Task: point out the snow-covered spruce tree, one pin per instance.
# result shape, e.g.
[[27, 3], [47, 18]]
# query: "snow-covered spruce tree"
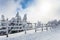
[[25, 22], [54, 23], [25, 18], [3, 18], [38, 24], [59, 22]]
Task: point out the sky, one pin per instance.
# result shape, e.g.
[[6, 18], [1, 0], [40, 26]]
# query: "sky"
[[36, 10]]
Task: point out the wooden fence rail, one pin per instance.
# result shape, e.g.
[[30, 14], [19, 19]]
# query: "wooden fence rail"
[[11, 28]]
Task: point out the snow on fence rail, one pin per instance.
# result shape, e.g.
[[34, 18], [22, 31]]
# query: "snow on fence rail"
[[11, 28]]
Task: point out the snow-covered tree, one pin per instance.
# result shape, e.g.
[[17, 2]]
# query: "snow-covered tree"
[[17, 15], [3, 21], [59, 22], [52, 24], [38, 24], [3, 18], [18, 18], [25, 18]]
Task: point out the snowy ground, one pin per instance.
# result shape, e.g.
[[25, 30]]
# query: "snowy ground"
[[32, 35]]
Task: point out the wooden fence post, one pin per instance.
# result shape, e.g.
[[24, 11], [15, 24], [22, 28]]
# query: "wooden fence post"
[[25, 28], [35, 27], [42, 27], [7, 27], [46, 27]]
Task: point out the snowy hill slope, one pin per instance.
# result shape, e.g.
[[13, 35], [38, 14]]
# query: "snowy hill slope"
[[45, 35]]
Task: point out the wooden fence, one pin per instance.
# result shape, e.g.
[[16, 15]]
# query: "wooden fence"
[[11, 28]]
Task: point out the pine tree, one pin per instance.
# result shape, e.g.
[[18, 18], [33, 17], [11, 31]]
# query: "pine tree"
[[25, 18]]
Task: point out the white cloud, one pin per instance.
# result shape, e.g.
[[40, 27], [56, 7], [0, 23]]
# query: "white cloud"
[[9, 10], [41, 10]]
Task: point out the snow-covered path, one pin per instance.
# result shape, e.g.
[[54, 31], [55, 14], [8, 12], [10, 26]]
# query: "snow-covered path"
[[46, 35], [54, 35]]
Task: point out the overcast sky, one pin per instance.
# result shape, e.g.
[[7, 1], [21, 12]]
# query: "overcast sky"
[[36, 10]]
